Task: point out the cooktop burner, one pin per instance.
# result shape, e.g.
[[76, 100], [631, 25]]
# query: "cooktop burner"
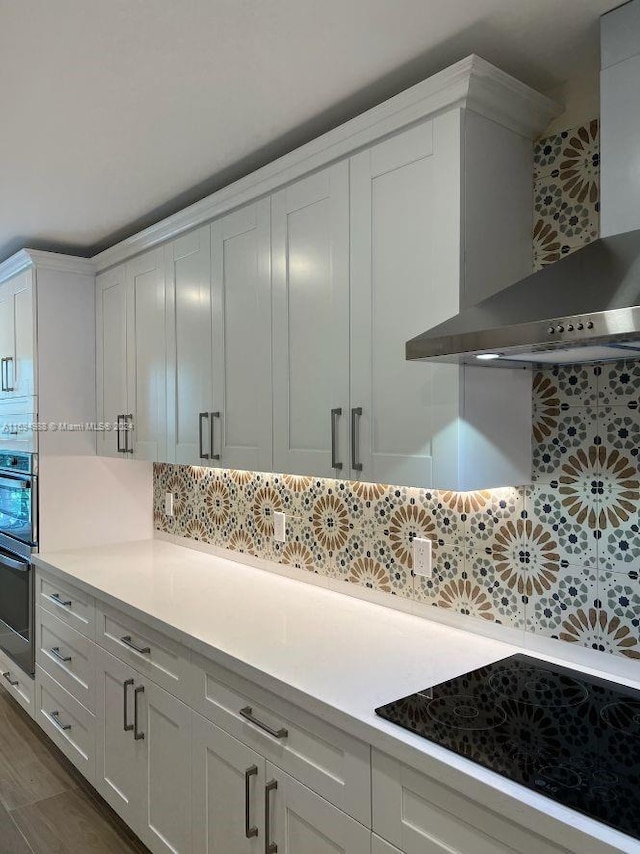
[[572, 737]]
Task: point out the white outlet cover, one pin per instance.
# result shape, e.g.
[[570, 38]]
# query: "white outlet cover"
[[168, 503], [279, 526], [422, 557]]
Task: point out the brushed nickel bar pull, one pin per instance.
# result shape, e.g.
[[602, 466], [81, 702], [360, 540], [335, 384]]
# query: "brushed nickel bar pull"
[[247, 713], [55, 652], [335, 414], [12, 682], [55, 718], [127, 727], [2, 361], [143, 650], [6, 362], [249, 830], [119, 421], [136, 732], [356, 414], [214, 415], [269, 847], [201, 417], [128, 420], [57, 598]]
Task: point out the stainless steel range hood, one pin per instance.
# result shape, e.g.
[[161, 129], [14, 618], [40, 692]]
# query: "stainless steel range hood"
[[583, 308]]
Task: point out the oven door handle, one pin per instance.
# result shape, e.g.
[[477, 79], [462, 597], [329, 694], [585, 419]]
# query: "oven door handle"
[[20, 565], [17, 483]]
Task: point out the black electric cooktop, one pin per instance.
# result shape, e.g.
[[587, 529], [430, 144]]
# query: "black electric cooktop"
[[572, 737]]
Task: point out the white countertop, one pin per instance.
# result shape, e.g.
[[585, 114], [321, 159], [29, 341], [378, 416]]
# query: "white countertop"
[[333, 655]]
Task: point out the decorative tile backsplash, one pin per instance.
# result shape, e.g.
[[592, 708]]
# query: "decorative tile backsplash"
[[559, 557]]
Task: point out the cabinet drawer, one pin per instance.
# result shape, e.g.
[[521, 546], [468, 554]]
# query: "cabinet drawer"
[[327, 760], [16, 430], [67, 723], [70, 604], [422, 816], [67, 656], [162, 659], [18, 684]]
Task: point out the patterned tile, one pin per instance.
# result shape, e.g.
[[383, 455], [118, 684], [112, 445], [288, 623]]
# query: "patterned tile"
[[507, 603], [619, 615], [556, 608], [547, 153], [620, 384], [573, 543], [448, 566], [571, 431], [493, 509]]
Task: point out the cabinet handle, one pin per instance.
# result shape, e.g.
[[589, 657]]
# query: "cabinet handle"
[[249, 830], [201, 417], [2, 361], [6, 364], [214, 415], [57, 598], [136, 732], [269, 847], [356, 414], [119, 420], [128, 428], [55, 718], [11, 681], [335, 414], [55, 652], [143, 650], [247, 713], [127, 727]]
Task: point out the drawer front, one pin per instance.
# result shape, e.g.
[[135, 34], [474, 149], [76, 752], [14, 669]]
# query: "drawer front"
[[327, 760], [162, 659], [419, 815], [70, 604], [16, 429], [67, 723], [20, 686], [67, 656]]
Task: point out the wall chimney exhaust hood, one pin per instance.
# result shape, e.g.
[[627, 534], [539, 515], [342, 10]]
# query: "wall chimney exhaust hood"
[[583, 308]]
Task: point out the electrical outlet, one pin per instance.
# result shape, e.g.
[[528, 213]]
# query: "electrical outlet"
[[279, 526], [422, 563], [168, 503]]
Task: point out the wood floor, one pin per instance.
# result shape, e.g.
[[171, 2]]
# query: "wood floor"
[[46, 806]]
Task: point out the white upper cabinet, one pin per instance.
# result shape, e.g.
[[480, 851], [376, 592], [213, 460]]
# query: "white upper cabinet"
[[131, 358], [219, 342], [240, 422], [17, 339], [310, 225], [189, 387]]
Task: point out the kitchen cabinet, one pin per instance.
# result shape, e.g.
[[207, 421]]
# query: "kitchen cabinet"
[[243, 803], [379, 846], [143, 769], [131, 358], [17, 338], [228, 792], [219, 339], [310, 246]]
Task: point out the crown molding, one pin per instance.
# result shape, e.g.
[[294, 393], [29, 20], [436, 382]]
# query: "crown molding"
[[26, 258], [473, 83]]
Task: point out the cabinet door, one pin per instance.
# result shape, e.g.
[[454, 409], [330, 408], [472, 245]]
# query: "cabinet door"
[[228, 793], [310, 228], [120, 759], [301, 822], [147, 356], [379, 846], [241, 253], [166, 725], [188, 271], [111, 357], [17, 337], [405, 275]]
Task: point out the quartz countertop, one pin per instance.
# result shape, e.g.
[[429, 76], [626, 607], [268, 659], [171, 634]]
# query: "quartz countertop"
[[336, 656]]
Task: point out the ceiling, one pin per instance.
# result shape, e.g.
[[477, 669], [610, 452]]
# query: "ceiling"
[[117, 113]]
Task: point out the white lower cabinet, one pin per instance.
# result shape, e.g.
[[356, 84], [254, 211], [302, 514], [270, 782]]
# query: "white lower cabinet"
[[17, 683], [143, 768], [379, 846], [297, 821]]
